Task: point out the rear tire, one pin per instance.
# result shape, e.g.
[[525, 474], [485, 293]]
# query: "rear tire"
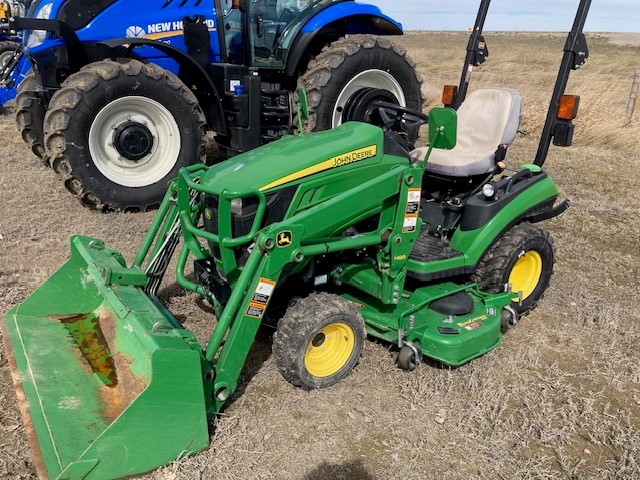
[[30, 112], [348, 65], [118, 132], [524, 257], [318, 341], [7, 49]]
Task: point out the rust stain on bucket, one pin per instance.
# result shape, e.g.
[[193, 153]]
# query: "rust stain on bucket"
[[95, 335], [129, 386], [86, 332]]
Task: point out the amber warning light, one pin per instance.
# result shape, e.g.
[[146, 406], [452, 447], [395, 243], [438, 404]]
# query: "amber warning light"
[[568, 107], [448, 94]]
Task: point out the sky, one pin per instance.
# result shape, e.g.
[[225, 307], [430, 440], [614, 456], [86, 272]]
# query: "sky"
[[544, 15]]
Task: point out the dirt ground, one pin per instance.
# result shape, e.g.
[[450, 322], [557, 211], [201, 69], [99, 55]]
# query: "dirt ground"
[[559, 399]]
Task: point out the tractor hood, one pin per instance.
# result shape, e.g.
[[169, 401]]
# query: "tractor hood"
[[293, 158]]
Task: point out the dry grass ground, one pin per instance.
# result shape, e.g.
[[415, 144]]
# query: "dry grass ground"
[[559, 399]]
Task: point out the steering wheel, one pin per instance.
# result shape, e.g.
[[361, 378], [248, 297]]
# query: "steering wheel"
[[401, 119]]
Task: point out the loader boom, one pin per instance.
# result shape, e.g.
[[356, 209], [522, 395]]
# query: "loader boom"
[[242, 315]]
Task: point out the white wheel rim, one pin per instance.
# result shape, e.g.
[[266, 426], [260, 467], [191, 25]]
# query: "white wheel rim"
[[5, 57], [368, 78], [157, 163]]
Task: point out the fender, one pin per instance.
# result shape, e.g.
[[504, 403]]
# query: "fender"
[[206, 92], [346, 18], [475, 235], [531, 199], [350, 10]]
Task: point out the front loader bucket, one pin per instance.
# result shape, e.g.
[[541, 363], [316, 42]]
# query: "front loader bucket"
[[106, 385]]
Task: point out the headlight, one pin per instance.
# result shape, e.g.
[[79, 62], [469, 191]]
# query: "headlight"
[[236, 206], [37, 37], [488, 190]]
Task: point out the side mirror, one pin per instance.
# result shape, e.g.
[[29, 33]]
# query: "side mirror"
[[303, 109], [443, 128]]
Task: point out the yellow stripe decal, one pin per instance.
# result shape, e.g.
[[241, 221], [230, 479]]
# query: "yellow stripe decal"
[[173, 33], [333, 162]]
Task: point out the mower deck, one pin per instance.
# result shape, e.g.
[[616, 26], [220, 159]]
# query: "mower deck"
[[451, 338]]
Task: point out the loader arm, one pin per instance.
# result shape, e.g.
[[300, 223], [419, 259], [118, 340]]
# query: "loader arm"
[[241, 317]]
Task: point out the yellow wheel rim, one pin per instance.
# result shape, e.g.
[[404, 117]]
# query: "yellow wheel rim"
[[526, 274], [329, 350]]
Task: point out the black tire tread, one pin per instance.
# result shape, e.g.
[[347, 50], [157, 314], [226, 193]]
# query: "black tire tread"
[[320, 68], [69, 98], [298, 319], [28, 120], [8, 45], [489, 271]]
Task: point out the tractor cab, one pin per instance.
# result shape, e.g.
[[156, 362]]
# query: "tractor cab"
[[271, 26], [487, 123], [462, 187], [261, 33]]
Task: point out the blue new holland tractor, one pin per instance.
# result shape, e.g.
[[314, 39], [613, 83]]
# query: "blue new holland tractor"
[[12, 69], [124, 92]]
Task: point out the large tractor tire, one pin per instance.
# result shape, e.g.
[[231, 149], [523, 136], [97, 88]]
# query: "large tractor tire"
[[351, 73], [523, 257], [7, 50], [30, 111], [118, 132], [318, 341]]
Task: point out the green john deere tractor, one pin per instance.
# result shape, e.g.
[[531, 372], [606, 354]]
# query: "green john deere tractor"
[[358, 236]]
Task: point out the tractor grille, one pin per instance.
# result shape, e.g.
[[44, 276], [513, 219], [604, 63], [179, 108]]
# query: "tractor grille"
[[277, 205]]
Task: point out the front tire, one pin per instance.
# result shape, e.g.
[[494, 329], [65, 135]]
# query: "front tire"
[[118, 132], [345, 68], [30, 112], [319, 341], [523, 257]]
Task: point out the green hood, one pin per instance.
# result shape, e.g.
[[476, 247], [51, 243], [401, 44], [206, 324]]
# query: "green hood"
[[296, 157]]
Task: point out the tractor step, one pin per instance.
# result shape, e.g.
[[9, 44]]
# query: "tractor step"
[[430, 249], [276, 113]]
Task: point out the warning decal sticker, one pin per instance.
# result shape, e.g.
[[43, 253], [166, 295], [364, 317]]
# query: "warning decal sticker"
[[261, 298], [411, 211], [473, 326]]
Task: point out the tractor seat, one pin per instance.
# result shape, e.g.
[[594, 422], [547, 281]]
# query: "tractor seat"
[[487, 119]]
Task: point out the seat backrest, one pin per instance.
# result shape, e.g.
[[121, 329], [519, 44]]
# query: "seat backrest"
[[487, 118]]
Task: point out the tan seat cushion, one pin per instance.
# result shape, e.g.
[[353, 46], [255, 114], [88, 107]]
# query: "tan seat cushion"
[[486, 119]]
